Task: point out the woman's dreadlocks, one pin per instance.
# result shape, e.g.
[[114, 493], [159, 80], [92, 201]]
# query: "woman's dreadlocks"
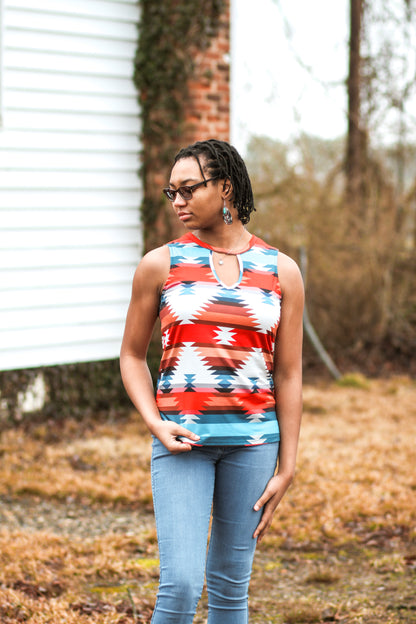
[[221, 160]]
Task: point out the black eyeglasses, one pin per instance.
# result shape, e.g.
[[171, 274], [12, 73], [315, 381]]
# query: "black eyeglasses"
[[184, 191]]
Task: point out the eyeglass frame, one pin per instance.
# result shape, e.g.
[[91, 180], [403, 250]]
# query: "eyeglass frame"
[[190, 189]]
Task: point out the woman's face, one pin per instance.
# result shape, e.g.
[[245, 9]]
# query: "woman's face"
[[204, 209]]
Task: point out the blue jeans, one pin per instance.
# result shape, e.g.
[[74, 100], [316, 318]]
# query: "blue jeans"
[[228, 479]]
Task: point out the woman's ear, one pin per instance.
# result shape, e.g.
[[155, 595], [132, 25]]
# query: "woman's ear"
[[227, 189]]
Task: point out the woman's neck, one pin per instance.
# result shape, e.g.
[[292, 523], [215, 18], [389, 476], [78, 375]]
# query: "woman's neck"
[[231, 238]]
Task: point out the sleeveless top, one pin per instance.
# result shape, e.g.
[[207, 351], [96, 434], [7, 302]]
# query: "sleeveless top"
[[216, 371]]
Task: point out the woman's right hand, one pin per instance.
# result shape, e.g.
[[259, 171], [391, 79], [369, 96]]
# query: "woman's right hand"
[[168, 433]]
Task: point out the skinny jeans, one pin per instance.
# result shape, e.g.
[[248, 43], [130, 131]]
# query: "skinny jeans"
[[226, 480]]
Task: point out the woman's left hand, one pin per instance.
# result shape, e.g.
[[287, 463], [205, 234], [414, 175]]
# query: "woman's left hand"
[[269, 500]]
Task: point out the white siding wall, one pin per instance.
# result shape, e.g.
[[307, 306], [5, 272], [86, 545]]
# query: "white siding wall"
[[69, 190]]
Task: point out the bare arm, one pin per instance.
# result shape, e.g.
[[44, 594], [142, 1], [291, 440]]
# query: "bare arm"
[[148, 281], [288, 384]]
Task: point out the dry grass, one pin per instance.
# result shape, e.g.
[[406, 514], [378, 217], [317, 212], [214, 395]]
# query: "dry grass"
[[107, 464], [356, 469], [58, 579], [342, 548]]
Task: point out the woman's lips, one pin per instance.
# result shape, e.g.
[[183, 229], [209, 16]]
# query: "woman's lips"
[[184, 216]]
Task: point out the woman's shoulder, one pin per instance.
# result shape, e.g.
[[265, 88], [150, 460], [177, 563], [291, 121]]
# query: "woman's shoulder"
[[287, 263], [155, 258], [153, 267], [290, 276]]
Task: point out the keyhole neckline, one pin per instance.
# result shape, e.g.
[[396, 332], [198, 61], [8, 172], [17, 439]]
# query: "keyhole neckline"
[[221, 282]]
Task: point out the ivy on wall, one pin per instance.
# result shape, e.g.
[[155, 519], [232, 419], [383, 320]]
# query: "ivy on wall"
[[171, 32]]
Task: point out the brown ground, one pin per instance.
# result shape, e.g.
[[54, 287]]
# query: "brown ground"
[[77, 538]]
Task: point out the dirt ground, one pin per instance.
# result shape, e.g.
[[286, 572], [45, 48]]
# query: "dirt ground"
[[77, 536]]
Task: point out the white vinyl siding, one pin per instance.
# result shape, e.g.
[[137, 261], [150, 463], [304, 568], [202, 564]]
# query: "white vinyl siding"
[[70, 235]]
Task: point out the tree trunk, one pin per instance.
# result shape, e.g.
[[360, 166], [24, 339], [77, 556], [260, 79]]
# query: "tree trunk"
[[355, 143]]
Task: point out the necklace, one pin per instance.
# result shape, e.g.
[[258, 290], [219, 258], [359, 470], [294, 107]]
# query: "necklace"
[[228, 252]]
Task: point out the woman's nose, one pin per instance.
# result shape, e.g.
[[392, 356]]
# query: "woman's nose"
[[179, 200]]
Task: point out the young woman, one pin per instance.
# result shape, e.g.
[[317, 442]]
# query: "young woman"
[[225, 420]]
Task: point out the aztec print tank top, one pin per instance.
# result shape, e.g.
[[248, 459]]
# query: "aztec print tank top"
[[215, 375]]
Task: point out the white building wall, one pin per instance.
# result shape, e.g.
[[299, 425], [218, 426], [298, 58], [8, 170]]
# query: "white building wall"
[[69, 190]]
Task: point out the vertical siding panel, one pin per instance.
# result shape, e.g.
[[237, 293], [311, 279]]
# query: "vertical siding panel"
[[1, 60], [70, 235]]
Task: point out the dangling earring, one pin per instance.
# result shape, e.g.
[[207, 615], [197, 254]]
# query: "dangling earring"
[[227, 216]]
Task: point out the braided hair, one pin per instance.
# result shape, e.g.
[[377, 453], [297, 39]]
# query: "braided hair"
[[221, 160]]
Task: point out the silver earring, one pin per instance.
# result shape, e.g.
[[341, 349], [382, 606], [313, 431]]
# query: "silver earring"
[[227, 216]]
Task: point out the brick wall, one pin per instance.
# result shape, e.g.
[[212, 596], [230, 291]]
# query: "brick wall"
[[208, 112]]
